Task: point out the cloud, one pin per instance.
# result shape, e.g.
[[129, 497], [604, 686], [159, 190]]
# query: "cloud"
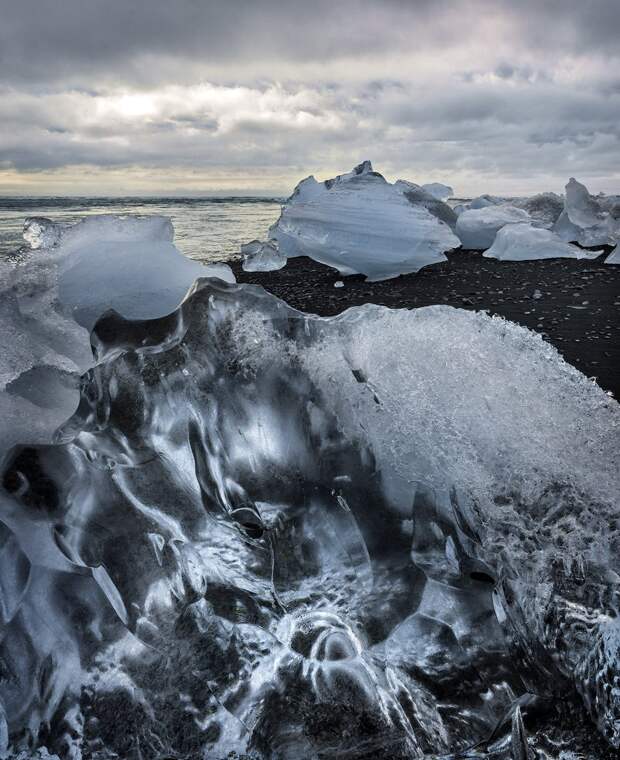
[[488, 95]]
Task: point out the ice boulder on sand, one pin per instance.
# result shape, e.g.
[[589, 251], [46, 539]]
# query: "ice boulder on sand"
[[584, 220], [360, 223], [523, 242], [261, 256], [52, 293], [477, 227]]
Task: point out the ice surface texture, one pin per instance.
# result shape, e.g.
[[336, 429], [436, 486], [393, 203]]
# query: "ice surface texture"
[[262, 256], [523, 242], [368, 536], [51, 295], [360, 223], [587, 220], [477, 227]]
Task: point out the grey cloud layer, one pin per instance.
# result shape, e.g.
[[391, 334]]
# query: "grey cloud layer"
[[511, 89]]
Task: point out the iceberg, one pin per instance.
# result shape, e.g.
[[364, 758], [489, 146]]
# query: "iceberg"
[[262, 256], [524, 242], [56, 288], [583, 219], [439, 191], [267, 532], [359, 223], [477, 227]]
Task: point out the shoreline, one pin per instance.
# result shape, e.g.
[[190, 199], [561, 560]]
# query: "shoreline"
[[573, 303]]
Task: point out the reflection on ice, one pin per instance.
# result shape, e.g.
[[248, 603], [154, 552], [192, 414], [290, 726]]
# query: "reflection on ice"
[[267, 532]]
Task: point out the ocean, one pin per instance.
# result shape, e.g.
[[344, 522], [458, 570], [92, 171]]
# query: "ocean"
[[206, 229]]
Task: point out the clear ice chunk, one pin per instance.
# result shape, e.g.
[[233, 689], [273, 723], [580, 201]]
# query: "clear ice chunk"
[[271, 533], [262, 256]]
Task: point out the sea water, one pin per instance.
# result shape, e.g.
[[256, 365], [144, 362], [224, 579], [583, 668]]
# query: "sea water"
[[206, 229]]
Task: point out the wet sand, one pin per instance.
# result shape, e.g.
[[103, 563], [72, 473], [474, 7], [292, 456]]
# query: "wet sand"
[[574, 304]]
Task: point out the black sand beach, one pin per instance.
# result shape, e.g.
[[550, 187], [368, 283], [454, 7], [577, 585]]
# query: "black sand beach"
[[574, 304]]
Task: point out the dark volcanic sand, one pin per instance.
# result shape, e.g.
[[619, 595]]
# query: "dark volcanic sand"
[[577, 311]]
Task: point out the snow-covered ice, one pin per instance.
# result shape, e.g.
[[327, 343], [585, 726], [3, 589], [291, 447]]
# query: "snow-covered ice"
[[360, 223], [524, 242], [261, 256], [477, 227]]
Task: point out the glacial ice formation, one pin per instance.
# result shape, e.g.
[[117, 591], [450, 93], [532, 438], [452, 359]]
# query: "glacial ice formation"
[[477, 227], [261, 256], [268, 532], [584, 220], [544, 208], [524, 242], [52, 294], [360, 223], [439, 191]]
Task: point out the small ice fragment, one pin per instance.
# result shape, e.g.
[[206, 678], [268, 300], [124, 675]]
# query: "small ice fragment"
[[262, 256], [339, 284]]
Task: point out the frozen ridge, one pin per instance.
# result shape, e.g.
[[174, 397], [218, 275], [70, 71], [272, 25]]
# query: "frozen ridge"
[[360, 223], [267, 532]]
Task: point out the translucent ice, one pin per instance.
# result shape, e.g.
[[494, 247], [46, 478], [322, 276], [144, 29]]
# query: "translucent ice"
[[614, 256], [523, 242], [584, 220], [439, 191], [477, 227], [262, 256], [267, 532], [360, 223], [52, 293]]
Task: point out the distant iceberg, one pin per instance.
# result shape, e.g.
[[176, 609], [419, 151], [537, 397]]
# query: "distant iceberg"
[[359, 223]]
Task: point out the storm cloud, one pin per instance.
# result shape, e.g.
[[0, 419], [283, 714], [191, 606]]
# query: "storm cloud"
[[149, 95]]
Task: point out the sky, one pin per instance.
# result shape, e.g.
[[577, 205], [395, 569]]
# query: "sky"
[[202, 97]]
